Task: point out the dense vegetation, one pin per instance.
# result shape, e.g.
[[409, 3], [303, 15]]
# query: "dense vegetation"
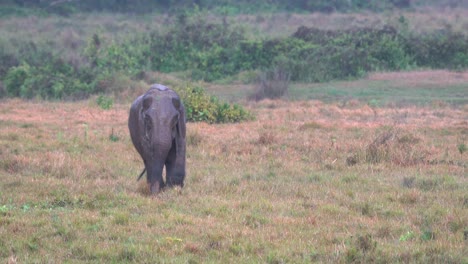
[[75, 66], [67, 7], [211, 51], [221, 6]]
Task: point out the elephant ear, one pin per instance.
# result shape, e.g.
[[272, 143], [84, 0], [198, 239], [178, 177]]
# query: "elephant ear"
[[147, 102]]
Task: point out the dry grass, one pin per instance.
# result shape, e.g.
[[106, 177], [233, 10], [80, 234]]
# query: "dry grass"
[[277, 189]]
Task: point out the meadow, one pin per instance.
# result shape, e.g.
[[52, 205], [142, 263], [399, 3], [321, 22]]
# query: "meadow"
[[366, 166], [342, 181]]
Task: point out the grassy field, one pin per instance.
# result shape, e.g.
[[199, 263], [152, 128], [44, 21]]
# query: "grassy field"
[[422, 88], [307, 181]]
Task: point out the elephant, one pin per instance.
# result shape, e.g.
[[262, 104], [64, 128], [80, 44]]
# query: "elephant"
[[157, 128]]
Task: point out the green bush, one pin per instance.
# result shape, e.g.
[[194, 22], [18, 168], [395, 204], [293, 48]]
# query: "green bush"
[[195, 44], [54, 80], [227, 113], [104, 102], [15, 79], [322, 55], [442, 49], [44, 72], [200, 107]]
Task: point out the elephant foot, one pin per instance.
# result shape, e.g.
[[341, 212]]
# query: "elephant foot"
[[155, 188]]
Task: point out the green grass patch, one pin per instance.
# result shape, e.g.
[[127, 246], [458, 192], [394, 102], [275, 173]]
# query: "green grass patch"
[[382, 93]]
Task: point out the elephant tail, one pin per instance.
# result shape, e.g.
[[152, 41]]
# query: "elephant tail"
[[143, 172]]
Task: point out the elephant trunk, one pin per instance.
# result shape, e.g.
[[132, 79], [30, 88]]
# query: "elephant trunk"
[[155, 165]]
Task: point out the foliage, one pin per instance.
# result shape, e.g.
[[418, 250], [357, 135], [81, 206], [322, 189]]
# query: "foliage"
[[220, 6], [234, 113], [332, 55], [201, 107], [15, 78], [195, 44], [226, 7], [104, 102], [46, 75], [210, 51], [441, 49], [198, 105]]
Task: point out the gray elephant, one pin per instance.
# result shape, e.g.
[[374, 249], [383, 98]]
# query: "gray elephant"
[[157, 129]]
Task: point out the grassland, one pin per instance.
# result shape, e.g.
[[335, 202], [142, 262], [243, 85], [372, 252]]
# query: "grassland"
[[363, 171], [307, 181], [422, 88]]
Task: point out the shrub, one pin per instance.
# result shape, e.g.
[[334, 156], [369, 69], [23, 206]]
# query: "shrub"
[[201, 107], [15, 78], [198, 105], [7, 57], [231, 113], [441, 49], [104, 102], [328, 55], [54, 79]]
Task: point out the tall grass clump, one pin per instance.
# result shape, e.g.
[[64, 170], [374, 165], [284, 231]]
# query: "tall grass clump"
[[398, 147], [272, 84], [394, 146]]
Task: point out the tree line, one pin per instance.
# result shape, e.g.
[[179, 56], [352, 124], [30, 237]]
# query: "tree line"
[[66, 7]]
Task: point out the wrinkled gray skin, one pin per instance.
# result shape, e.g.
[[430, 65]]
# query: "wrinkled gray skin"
[[157, 129]]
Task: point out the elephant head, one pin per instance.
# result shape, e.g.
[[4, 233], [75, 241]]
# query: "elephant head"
[[157, 129]]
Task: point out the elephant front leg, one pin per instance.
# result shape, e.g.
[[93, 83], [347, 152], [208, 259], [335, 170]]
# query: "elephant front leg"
[[155, 180], [175, 172], [155, 187]]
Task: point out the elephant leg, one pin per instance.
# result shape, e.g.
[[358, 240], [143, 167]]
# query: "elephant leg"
[[155, 188], [169, 171], [175, 172], [155, 180]]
